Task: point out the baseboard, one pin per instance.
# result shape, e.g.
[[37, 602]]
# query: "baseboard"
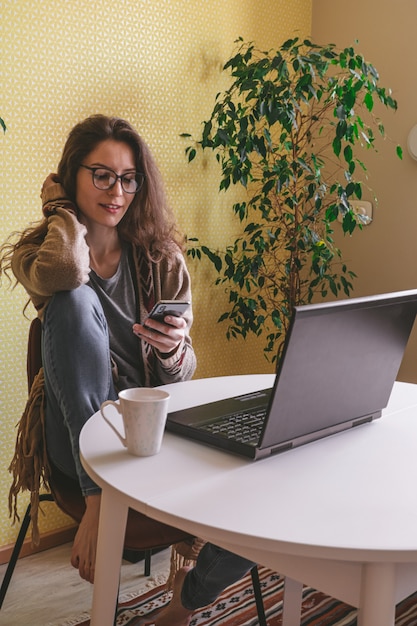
[[50, 539]]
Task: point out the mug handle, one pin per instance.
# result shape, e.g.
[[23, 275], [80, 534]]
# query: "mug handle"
[[106, 419]]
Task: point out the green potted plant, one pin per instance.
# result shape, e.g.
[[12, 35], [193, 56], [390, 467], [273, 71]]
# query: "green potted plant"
[[289, 131]]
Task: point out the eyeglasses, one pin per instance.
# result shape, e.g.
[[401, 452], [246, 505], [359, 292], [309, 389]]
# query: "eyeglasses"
[[105, 178]]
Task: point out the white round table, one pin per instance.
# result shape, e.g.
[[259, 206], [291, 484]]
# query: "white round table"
[[339, 514]]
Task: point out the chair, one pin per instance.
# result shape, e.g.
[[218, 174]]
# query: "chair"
[[143, 534]]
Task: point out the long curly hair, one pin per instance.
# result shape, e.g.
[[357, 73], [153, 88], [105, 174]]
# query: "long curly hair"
[[148, 223]]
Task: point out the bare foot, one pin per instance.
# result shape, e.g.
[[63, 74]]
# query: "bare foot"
[[175, 614], [83, 554]]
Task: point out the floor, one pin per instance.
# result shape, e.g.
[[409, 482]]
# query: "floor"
[[46, 591]]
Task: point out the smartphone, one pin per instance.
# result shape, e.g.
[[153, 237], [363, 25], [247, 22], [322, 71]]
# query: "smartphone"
[[168, 307]]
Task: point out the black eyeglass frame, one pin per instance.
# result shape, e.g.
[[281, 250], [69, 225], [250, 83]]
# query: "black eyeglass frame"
[[139, 178]]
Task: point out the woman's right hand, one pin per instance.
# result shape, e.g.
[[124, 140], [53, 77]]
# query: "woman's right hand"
[[52, 179], [56, 198]]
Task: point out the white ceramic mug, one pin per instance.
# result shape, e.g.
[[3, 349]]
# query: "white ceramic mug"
[[144, 412]]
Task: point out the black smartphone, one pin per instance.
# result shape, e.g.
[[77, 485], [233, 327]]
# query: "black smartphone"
[[168, 307]]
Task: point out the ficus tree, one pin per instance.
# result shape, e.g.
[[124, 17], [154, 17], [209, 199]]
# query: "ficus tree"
[[290, 131]]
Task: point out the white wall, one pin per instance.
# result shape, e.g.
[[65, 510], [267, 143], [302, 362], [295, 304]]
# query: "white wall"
[[384, 254]]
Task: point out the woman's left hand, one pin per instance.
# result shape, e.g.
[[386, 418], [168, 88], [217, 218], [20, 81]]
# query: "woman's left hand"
[[164, 336]]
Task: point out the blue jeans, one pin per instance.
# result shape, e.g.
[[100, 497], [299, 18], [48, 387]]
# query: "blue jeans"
[[215, 570], [78, 377]]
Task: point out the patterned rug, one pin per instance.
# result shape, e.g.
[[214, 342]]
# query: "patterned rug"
[[236, 607]]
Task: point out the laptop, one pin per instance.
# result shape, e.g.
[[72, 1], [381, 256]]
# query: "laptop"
[[337, 371]]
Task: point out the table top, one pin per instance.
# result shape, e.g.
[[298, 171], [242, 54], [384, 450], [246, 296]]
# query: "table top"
[[351, 496]]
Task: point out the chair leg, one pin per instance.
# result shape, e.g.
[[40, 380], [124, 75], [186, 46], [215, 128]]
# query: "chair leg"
[[147, 572], [117, 606], [147, 567], [18, 546], [258, 596]]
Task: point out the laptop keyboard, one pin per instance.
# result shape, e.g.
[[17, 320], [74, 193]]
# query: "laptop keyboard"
[[244, 426]]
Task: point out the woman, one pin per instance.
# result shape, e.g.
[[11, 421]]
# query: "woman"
[[103, 255], [198, 586]]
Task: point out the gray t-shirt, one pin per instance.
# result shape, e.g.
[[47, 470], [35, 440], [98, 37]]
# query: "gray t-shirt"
[[118, 299]]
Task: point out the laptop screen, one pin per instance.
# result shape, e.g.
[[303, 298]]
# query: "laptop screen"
[[339, 363]]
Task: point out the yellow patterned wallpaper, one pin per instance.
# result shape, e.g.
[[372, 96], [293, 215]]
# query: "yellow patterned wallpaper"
[[157, 63]]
